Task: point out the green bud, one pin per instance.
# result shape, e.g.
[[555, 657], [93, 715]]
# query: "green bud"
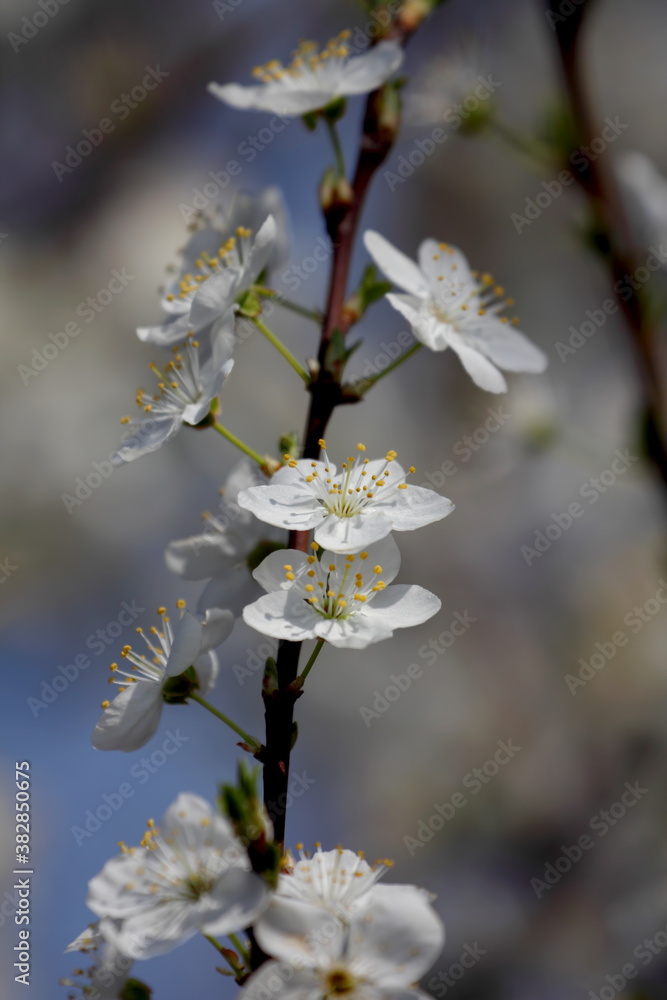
[[177, 690]]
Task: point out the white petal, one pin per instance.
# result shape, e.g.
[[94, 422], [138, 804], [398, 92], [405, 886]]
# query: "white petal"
[[202, 556], [398, 268], [156, 930], [303, 934], [303, 467], [150, 435], [352, 534], [131, 718], [217, 626], [282, 981], [186, 646], [451, 264], [396, 937], [208, 668], [371, 69], [211, 384], [282, 615], [236, 900], [270, 573], [260, 253], [275, 99], [506, 346], [401, 606], [481, 371], [190, 823], [353, 633], [215, 296], [384, 553], [293, 507], [415, 507], [166, 334]]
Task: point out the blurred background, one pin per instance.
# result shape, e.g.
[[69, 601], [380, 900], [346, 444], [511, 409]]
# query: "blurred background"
[[376, 778]]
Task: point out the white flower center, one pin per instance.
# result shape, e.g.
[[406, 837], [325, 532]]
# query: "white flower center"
[[179, 386], [351, 490], [308, 65], [231, 254], [145, 669], [333, 589]]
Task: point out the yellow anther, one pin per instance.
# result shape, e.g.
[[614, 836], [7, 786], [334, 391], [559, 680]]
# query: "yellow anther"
[[361, 447], [341, 602], [412, 468], [124, 420], [289, 576], [105, 704], [162, 611], [499, 290], [350, 558], [514, 320], [180, 604], [114, 666], [287, 566], [390, 456], [402, 486], [322, 443], [314, 546], [310, 588], [311, 560], [332, 567], [377, 569], [363, 555], [481, 312], [360, 597]]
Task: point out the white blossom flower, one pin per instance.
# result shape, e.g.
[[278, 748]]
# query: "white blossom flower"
[[313, 79], [340, 881], [230, 548], [344, 599], [132, 718], [644, 194], [378, 955], [448, 305], [212, 275], [189, 874], [105, 978], [349, 509], [185, 392]]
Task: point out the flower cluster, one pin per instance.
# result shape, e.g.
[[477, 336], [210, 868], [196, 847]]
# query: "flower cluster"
[[303, 550]]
